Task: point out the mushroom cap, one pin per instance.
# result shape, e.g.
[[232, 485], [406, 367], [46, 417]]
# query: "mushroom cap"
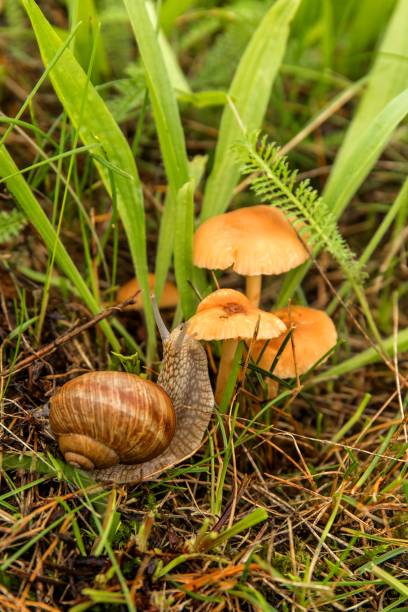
[[253, 240], [227, 314], [169, 297], [313, 336]]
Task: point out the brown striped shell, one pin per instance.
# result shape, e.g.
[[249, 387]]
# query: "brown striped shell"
[[102, 419], [184, 376]]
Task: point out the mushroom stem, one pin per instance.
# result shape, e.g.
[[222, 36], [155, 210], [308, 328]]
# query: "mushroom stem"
[[253, 289], [227, 358]]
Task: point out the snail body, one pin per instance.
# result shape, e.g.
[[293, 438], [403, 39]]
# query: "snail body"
[[126, 429]]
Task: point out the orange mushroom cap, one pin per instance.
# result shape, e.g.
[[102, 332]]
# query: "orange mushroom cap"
[[313, 336], [227, 314], [254, 240], [169, 297]]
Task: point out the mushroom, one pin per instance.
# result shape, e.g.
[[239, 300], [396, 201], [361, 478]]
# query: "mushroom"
[[228, 315], [255, 240], [169, 297], [313, 336]]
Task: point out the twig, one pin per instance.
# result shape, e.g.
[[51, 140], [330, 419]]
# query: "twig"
[[74, 331]]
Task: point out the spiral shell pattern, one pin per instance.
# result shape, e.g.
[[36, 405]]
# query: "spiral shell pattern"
[[105, 418]]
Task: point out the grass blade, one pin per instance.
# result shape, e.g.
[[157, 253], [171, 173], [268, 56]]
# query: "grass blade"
[[362, 144], [17, 185], [163, 99], [183, 246], [387, 78], [169, 130], [171, 9], [249, 91], [85, 11], [176, 76], [98, 126], [400, 204], [364, 154], [364, 358], [391, 580]]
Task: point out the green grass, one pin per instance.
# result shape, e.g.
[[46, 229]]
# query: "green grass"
[[118, 129]]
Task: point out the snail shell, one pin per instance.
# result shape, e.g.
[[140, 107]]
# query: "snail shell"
[[101, 419]]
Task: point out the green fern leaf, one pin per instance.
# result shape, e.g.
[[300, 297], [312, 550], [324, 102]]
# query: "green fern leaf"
[[274, 181], [11, 224]]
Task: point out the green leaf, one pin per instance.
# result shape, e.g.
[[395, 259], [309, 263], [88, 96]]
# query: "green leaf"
[[171, 9], [183, 246], [391, 580], [176, 75], [250, 91], [387, 78], [98, 126], [168, 126], [32, 209], [364, 152], [250, 520], [84, 11], [162, 96], [362, 31], [390, 554]]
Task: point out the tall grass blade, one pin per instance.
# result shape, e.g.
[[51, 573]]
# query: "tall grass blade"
[[250, 91], [162, 96], [387, 81], [98, 126], [366, 357], [176, 75], [169, 130], [364, 152], [363, 29], [400, 204], [387, 78], [171, 9], [183, 246], [84, 11], [33, 211]]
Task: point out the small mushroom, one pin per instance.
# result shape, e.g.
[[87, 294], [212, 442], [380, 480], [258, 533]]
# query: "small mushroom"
[[255, 240], [229, 316], [313, 336], [169, 297]]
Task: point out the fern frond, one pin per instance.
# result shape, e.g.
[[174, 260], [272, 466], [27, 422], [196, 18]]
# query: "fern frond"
[[11, 224], [275, 182]]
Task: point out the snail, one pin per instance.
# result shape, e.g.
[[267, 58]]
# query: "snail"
[[126, 429]]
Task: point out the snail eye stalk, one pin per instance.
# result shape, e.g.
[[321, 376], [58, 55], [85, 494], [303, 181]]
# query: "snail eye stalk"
[[163, 331]]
